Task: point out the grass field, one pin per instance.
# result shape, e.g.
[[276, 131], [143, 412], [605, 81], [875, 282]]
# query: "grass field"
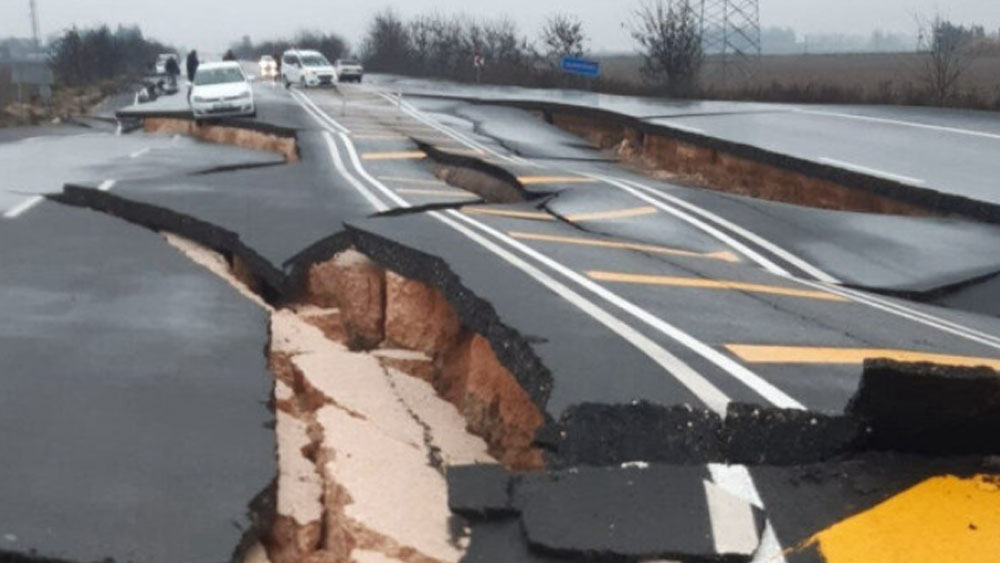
[[833, 78]]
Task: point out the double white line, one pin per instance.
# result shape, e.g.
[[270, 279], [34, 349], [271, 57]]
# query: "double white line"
[[735, 479], [515, 252], [730, 234]]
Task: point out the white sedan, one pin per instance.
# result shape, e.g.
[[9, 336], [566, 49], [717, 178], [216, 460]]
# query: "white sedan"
[[220, 90]]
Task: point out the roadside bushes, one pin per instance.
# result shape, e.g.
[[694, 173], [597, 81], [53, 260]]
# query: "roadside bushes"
[[446, 47]]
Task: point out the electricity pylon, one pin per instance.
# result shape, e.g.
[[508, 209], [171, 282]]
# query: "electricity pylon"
[[730, 30]]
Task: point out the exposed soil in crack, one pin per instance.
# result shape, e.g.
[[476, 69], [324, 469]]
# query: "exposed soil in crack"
[[419, 209], [272, 139], [363, 446], [490, 182], [713, 168]]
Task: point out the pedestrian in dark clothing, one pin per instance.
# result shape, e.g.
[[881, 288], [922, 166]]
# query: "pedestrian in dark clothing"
[[229, 56], [192, 65], [173, 70]]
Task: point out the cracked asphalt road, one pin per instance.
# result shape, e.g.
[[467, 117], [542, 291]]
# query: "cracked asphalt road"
[[620, 288]]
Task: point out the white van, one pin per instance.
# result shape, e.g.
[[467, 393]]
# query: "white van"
[[306, 68]]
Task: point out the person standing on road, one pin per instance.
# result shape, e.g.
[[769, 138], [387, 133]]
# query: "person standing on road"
[[229, 56], [192, 65], [173, 70]]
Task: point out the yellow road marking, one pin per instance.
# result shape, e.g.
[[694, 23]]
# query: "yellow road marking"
[[533, 215], [725, 256], [461, 151], [419, 181], [399, 155], [448, 193], [528, 180], [713, 284], [812, 355], [606, 215], [944, 518]]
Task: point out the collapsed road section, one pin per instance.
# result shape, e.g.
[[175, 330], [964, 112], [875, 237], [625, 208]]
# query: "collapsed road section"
[[442, 391]]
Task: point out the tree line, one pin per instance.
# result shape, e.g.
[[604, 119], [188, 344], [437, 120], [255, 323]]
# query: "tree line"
[[85, 56]]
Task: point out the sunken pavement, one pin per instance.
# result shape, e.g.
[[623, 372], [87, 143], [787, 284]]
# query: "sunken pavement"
[[233, 341]]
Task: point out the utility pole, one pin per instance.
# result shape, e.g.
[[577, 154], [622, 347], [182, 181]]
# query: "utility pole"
[[34, 24], [730, 30]]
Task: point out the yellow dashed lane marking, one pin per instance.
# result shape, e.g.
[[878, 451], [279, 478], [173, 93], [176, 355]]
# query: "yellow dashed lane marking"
[[607, 215], [942, 519], [399, 155], [418, 181], [528, 180], [533, 215], [447, 193], [461, 151], [701, 283], [811, 355], [725, 256]]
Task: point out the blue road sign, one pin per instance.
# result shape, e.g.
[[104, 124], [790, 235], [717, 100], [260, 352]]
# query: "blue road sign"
[[581, 67]]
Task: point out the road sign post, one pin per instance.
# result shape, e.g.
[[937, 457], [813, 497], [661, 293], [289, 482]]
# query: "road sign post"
[[580, 67], [586, 68]]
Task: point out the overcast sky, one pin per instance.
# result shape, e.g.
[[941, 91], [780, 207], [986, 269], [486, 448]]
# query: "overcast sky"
[[212, 24]]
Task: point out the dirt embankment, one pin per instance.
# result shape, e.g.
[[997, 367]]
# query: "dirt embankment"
[[379, 389]]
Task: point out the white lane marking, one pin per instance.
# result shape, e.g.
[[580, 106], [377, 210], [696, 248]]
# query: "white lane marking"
[[339, 165], [908, 313], [749, 235], [770, 550], [318, 111], [140, 152], [736, 245], [939, 128], [736, 480], [686, 128], [872, 171], [420, 116], [106, 185], [828, 282], [734, 528], [762, 387], [17, 210], [699, 386], [769, 546]]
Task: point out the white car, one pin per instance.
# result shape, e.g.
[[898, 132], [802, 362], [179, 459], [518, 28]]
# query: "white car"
[[268, 68], [349, 70], [306, 68], [221, 89]]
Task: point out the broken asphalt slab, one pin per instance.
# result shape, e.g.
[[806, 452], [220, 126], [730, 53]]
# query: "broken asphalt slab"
[[134, 416], [632, 512], [270, 214], [44, 165]]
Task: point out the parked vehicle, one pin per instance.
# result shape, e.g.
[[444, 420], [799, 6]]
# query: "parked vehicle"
[[268, 68], [221, 89], [349, 70], [306, 69]]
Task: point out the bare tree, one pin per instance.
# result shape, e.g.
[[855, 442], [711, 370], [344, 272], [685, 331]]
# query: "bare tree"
[[387, 46], [562, 36], [950, 50], [669, 36]]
